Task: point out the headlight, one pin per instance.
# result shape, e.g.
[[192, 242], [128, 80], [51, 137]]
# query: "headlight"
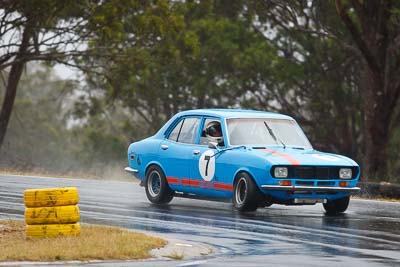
[[281, 172], [345, 173]]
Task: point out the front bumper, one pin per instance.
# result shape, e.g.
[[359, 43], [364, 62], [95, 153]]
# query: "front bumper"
[[294, 188], [130, 170]]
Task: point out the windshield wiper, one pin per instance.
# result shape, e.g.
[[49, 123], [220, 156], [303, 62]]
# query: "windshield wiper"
[[226, 149], [271, 133]]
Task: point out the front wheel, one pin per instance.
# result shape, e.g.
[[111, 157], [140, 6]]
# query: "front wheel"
[[337, 206], [157, 189], [245, 194]]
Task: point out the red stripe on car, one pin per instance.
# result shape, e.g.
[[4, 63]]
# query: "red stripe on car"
[[172, 180], [223, 186], [195, 183], [185, 181], [292, 161]]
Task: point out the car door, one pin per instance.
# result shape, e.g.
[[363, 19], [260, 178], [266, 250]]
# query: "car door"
[[205, 170], [176, 152]]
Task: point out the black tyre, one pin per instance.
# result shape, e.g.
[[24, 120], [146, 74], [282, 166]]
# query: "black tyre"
[[246, 195], [156, 186], [337, 206]]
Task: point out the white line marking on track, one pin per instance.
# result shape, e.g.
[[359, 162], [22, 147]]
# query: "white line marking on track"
[[193, 263], [183, 245]]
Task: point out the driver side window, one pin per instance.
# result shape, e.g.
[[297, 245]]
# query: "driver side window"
[[211, 132]]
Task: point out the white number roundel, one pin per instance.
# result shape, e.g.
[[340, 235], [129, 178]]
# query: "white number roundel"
[[325, 157], [207, 165]]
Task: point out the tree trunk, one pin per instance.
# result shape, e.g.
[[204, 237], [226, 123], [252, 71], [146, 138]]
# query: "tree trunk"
[[376, 121], [12, 84], [370, 24]]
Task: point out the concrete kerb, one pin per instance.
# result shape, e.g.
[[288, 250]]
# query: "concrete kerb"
[[178, 249]]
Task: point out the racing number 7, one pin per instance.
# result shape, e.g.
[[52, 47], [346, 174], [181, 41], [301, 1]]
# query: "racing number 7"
[[208, 161]]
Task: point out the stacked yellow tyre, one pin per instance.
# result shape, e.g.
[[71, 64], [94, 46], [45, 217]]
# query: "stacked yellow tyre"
[[52, 212]]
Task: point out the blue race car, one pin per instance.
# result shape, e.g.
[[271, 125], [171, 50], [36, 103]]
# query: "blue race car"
[[254, 158]]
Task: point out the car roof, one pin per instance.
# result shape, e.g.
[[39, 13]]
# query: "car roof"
[[234, 113], [222, 113]]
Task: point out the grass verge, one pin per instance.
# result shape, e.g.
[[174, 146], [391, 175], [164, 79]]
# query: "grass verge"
[[94, 243]]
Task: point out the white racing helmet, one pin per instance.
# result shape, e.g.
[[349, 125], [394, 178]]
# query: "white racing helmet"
[[213, 132]]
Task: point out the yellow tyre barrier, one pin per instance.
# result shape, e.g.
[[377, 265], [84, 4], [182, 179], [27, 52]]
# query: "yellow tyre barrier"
[[53, 230], [51, 197], [52, 215]]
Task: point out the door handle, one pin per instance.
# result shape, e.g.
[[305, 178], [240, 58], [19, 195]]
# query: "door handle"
[[196, 151], [164, 147]]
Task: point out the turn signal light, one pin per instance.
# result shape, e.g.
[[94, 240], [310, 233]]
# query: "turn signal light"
[[343, 184], [285, 183]]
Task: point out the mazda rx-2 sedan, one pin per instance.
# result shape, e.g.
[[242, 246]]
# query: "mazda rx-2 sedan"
[[253, 158]]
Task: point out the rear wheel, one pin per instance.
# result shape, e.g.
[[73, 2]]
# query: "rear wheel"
[[157, 189], [246, 195], [337, 206]]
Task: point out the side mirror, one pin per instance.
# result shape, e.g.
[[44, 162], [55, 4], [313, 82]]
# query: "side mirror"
[[213, 145]]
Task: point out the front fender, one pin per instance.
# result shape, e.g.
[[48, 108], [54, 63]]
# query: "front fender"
[[236, 161]]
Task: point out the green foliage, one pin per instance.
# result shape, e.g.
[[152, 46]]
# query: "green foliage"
[[183, 55], [199, 55], [36, 135], [43, 136], [294, 57]]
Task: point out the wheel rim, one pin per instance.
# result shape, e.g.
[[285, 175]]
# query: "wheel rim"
[[241, 191], [154, 183]]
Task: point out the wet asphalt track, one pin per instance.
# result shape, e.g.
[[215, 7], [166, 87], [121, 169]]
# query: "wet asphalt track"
[[367, 235]]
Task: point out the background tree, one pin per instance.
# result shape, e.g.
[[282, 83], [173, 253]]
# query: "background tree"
[[360, 50], [146, 60], [375, 28], [43, 136], [55, 31], [37, 134], [34, 30], [182, 56]]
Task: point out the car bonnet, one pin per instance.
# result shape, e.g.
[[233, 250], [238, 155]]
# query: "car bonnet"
[[293, 156]]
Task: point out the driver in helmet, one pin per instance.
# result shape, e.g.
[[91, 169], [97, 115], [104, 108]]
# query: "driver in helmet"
[[214, 133]]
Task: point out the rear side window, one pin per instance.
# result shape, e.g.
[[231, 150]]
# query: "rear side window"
[[175, 132], [185, 131]]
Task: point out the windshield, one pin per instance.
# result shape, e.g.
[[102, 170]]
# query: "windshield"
[[267, 132]]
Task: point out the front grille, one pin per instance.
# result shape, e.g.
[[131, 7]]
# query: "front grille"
[[311, 172], [316, 172]]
